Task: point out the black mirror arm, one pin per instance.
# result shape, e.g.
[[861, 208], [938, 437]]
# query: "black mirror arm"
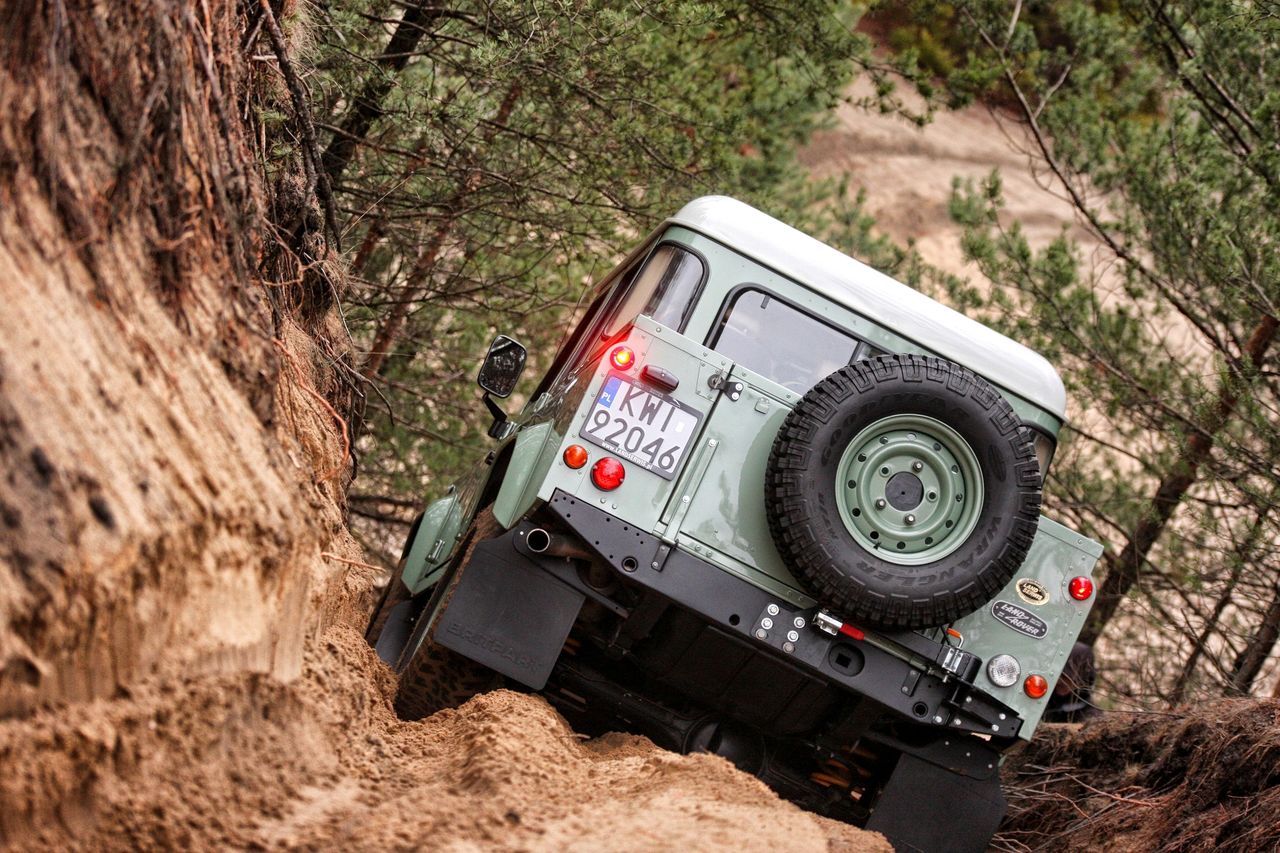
[[499, 417]]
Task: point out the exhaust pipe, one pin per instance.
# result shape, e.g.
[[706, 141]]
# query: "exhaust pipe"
[[540, 541]]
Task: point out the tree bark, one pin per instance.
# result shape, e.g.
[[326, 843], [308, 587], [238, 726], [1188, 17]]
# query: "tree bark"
[[1249, 662], [1124, 570]]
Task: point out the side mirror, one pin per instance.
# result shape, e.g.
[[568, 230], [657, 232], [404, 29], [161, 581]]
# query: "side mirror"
[[502, 366]]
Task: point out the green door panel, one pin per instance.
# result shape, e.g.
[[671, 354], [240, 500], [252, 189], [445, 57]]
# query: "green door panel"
[[444, 524], [644, 497], [727, 511], [433, 543], [536, 448]]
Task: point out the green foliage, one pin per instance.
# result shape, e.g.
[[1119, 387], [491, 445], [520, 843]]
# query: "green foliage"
[[524, 149], [1159, 123]]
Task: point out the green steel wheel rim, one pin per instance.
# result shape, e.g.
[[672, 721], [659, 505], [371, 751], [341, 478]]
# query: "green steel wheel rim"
[[909, 489]]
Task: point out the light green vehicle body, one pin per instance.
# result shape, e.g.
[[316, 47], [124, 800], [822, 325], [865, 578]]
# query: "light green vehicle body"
[[715, 507]]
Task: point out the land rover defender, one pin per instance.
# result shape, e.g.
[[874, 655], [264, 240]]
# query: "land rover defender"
[[772, 504]]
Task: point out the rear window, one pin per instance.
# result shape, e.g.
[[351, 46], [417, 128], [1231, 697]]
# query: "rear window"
[[664, 290], [783, 343]]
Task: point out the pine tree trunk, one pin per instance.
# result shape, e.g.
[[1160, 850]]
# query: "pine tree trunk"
[[1249, 662], [367, 107], [392, 329]]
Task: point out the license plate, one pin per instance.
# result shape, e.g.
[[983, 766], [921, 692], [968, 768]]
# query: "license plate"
[[641, 426]]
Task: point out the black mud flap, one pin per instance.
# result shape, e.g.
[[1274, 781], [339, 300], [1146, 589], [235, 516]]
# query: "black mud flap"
[[508, 614], [925, 808]]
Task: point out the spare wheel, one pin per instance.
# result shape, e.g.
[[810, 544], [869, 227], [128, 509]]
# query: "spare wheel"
[[903, 491]]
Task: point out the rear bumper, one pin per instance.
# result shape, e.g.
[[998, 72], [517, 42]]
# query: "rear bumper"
[[513, 610]]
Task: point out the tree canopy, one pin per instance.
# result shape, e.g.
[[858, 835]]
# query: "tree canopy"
[[1159, 122]]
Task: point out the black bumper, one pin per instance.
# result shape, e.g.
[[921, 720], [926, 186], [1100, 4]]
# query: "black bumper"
[[514, 610]]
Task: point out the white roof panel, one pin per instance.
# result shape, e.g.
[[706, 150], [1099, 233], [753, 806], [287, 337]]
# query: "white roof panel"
[[878, 297]]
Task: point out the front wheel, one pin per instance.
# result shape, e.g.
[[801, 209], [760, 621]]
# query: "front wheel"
[[432, 677]]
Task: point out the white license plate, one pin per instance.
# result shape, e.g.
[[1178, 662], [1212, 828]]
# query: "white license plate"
[[641, 426]]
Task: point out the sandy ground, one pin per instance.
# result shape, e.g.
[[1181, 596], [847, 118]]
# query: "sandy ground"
[[323, 763]]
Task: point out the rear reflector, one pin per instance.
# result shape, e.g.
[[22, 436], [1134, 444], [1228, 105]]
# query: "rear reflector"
[[1080, 588], [1035, 686], [608, 474]]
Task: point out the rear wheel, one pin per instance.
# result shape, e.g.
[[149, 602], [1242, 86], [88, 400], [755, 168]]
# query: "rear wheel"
[[433, 677], [395, 593]]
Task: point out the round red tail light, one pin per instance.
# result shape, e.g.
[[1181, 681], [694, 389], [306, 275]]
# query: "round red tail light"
[[1080, 588], [1035, 686], [622, 357], [575, 456], [608, 474]]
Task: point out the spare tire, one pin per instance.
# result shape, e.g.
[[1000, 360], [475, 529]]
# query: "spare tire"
[[903, 491]]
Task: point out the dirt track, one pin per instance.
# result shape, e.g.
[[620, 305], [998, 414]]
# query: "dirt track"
[[322, 762]]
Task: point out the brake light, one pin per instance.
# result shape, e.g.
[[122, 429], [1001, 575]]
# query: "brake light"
[[622, 357], [1080, 588], [1035, 686], [608, 474], [575, 456]]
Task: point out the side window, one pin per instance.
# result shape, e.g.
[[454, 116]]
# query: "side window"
[[777, 340], [665, 289]]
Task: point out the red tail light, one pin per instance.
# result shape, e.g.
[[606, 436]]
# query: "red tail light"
[[608, 474], [1035, 686], [622, 357], [1080, 588]]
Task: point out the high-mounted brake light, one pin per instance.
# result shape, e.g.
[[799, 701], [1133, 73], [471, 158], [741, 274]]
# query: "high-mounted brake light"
[[622, 357], [608, 474], [1035, 686], [1080, 588], [575, 456]]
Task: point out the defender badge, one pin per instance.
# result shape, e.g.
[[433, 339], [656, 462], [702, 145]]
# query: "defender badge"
[[1032, 591], [1019, 619]]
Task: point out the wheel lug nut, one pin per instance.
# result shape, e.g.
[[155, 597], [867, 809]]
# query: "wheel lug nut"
[[911, 519], [880, 503], [916, 466]]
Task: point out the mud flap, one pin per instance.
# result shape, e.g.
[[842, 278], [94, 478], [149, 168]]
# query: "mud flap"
[[925, 808], [508, 614]]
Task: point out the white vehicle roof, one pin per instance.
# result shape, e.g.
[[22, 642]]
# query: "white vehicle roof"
[[878, 297]]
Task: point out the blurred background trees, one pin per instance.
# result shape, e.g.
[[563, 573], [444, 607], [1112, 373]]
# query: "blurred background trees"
[[489, 160], [1158, 122]]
